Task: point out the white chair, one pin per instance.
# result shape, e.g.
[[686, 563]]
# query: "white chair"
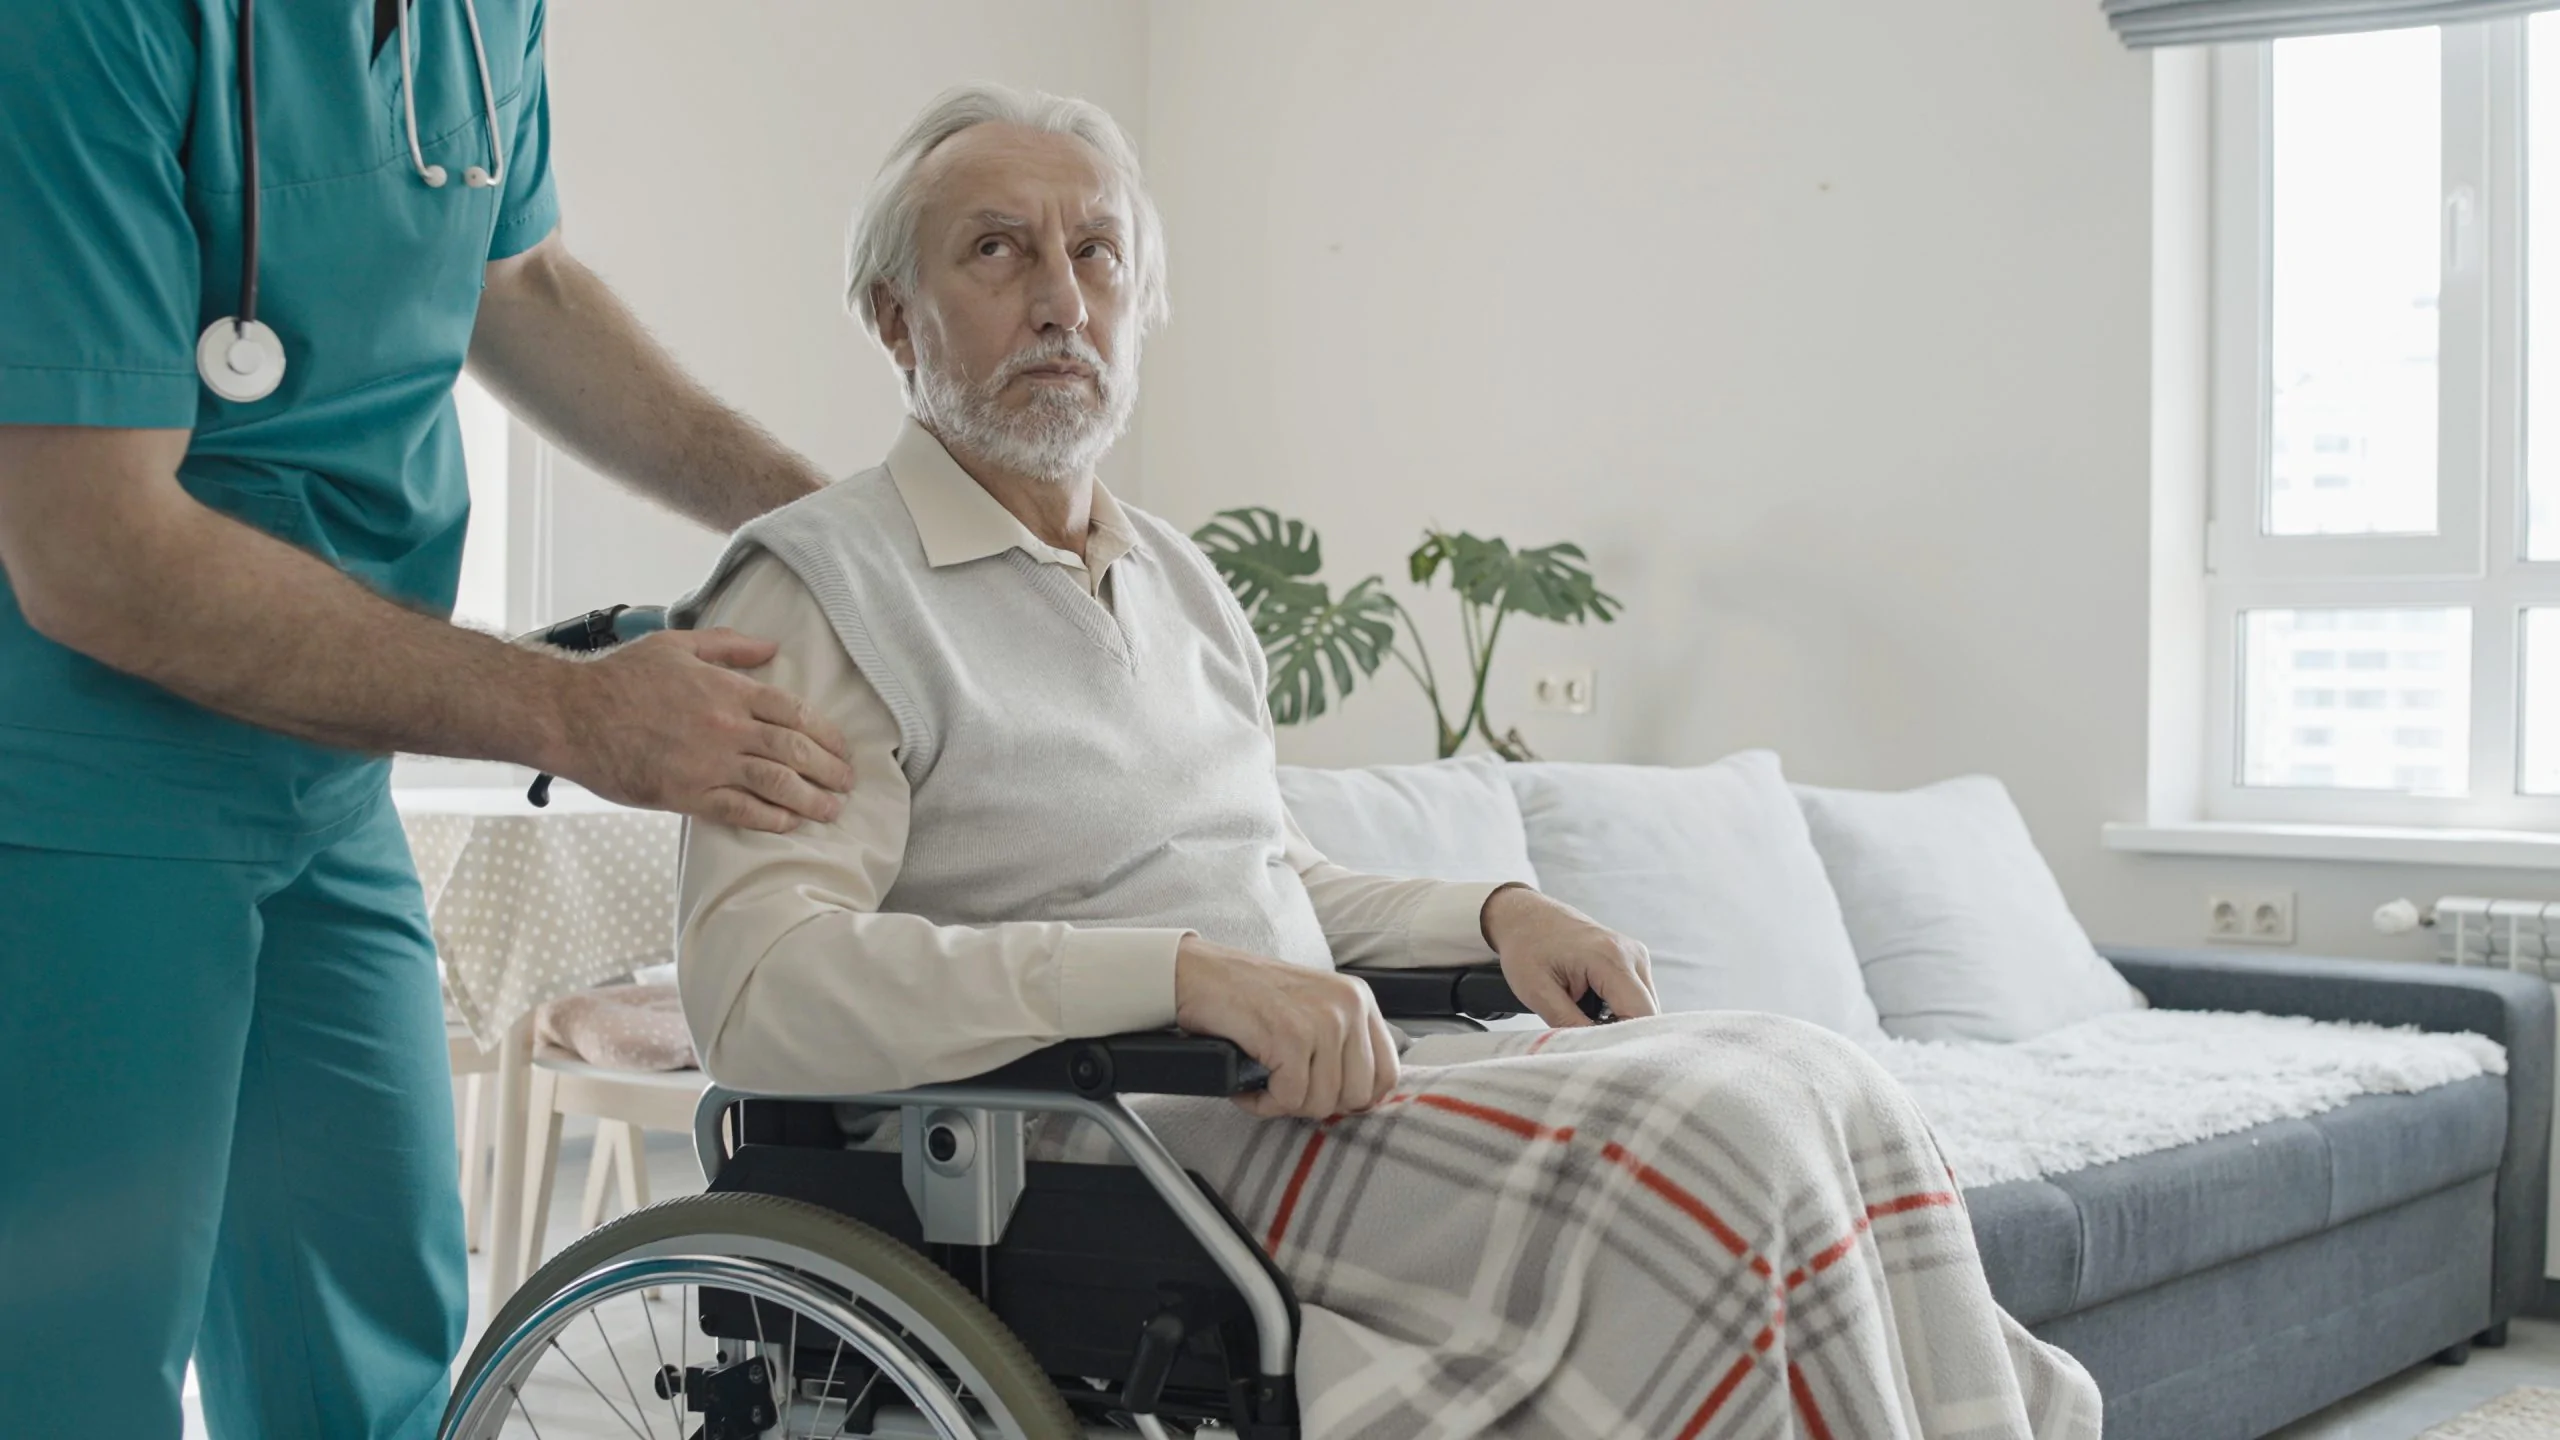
[[625, 1104]]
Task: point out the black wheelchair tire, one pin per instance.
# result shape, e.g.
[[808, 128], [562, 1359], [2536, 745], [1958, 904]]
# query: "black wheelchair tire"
[[1018, 1384]]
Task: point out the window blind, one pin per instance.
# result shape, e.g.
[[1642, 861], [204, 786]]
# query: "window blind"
[[2146, 23]]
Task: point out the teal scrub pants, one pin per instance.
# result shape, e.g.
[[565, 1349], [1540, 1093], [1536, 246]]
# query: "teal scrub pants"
[[226, 1127]]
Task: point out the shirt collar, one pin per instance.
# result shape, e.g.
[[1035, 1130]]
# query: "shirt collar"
[[958, 521]]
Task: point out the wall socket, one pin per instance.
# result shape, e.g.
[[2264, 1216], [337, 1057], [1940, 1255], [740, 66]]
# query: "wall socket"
[[2250, 917], [1569, 692]]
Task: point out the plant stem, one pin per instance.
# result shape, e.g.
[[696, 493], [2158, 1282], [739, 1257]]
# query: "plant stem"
[[1429, 679], [1483, 659]]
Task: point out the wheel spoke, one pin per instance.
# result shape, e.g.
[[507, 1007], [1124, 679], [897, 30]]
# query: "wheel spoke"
[[525, 1410], [592, 1385], [614, 1353], [675, 1404], [850, 1406], [835, 1357]]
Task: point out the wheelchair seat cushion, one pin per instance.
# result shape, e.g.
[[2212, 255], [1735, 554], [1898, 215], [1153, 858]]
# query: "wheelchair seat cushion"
[[620, 1027]]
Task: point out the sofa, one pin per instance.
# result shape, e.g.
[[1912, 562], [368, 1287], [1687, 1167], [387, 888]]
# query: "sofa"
[[2217, 1288]]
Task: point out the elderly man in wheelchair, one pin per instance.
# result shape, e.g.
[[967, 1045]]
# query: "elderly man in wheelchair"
[[1061, 1087]]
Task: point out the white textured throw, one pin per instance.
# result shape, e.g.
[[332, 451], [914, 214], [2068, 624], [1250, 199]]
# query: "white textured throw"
[[2125, 1085]]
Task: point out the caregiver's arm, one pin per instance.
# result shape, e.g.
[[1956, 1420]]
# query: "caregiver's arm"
[[108, 555], [561, 349]]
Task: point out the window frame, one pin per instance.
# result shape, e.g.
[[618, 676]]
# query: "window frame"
[[2476, 558]]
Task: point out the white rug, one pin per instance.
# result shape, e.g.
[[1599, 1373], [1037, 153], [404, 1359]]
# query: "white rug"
[[2524, 1413], [2128, 1084]]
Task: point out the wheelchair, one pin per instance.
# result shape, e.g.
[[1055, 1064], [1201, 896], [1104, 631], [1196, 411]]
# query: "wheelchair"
[[952, 1287]]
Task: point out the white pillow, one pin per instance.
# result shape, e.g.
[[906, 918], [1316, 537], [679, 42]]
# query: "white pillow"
[[1960, 926], [1450, 820], [1709, 867]]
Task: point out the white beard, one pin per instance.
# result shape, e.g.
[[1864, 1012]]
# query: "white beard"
[[1060, 436]]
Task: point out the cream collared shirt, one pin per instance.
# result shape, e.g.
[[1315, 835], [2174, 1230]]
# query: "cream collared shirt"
[[795, 979]]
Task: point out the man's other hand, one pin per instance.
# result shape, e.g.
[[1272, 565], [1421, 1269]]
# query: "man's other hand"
[[1319, 1034], [667, 723], [1554, 954]]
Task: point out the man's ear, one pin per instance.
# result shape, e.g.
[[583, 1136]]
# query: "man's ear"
[[890, 314]]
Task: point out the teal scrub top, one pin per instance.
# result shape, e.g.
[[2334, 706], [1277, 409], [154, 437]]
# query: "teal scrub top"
[[120, 183]]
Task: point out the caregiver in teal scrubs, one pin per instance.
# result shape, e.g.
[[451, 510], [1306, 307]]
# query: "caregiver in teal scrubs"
[[225, 1121]]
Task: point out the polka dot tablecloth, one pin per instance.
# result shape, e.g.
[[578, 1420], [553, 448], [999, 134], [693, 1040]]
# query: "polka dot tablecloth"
[[530, 905]]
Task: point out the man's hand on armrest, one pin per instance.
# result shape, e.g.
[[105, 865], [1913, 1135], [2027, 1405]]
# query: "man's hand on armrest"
[[1553, 954], [1318, 1033]]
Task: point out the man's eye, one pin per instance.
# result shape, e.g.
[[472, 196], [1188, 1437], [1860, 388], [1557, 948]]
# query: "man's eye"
[[993, 245], [1096, 250]]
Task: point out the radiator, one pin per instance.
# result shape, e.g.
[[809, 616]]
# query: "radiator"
[[2478, 930]]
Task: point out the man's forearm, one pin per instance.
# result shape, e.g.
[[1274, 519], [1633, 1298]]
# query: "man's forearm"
[[562, 350], [249, 626]]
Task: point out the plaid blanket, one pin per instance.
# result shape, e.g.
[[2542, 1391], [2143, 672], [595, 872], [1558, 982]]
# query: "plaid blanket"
[[1702, 1225]]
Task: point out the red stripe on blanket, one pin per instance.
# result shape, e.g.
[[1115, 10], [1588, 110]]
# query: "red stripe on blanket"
[[1897, 1206], [1686, 1203], [1716, 1398], [1541, 1042], [1289, 1196], [1803, 1393]]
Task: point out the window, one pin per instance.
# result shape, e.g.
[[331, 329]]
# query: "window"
[[481, 600], [2385, 515]]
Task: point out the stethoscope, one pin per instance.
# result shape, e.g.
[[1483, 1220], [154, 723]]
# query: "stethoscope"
[[240, 356]]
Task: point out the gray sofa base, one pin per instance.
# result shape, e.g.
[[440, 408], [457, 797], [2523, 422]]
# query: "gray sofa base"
[[2235, 1351]]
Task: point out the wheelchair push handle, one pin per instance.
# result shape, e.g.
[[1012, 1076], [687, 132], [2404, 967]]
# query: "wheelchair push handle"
[[586, 634]]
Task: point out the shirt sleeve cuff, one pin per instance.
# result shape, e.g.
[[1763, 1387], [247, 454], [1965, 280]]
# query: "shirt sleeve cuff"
[[1448, 926], [1111, 981]]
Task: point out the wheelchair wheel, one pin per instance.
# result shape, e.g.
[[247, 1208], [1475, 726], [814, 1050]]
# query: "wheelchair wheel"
[[749, 1317]]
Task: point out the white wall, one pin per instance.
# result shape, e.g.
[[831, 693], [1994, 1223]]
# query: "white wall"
[[1823, 324], [708, 159]]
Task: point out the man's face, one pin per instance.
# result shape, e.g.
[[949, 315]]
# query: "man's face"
[[1020, 332]]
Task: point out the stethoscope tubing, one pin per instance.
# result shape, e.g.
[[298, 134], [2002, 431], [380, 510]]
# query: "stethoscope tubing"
[[248, 363]]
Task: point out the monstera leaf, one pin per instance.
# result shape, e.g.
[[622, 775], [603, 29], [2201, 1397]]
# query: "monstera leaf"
[[1550, 582], [1312, 639], [1318, 647], [1262, 555]]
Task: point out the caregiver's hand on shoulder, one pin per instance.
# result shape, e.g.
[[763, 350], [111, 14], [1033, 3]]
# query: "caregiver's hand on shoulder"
[[1553, 954], [1318, 1033], [667, 723]]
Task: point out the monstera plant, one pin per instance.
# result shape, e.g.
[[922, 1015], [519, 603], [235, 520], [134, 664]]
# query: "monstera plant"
[[1321, 645]]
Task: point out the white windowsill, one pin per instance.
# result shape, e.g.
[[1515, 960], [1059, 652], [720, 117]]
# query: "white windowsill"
[[2371, 844]]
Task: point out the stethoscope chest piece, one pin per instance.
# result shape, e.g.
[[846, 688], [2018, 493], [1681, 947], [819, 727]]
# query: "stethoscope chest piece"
[[240, 362]]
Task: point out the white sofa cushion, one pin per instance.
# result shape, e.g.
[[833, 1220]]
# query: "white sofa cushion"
[[1712, 869], [1450, 820], [1960, 926]]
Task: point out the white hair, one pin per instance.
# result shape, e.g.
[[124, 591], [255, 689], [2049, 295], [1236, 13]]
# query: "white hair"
[[881, 248]]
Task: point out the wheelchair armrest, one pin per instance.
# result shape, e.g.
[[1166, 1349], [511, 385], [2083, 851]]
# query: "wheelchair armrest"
[[1151, 1062], [1478, 991]]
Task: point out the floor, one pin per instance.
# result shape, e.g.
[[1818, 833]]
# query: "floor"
[[2408, 1403], [2400, 1408]]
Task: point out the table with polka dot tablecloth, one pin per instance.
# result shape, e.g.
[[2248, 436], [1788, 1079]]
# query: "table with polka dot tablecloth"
[[530, 905]]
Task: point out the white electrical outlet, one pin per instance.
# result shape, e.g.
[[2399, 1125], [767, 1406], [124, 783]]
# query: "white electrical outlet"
[[1568, 692], [2250, 917]]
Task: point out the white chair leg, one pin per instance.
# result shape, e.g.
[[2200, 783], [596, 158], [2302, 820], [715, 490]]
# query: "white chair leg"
[[600, 1169], [635, 1168], [475, 1161], [541, 1165], [507, 1187]]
